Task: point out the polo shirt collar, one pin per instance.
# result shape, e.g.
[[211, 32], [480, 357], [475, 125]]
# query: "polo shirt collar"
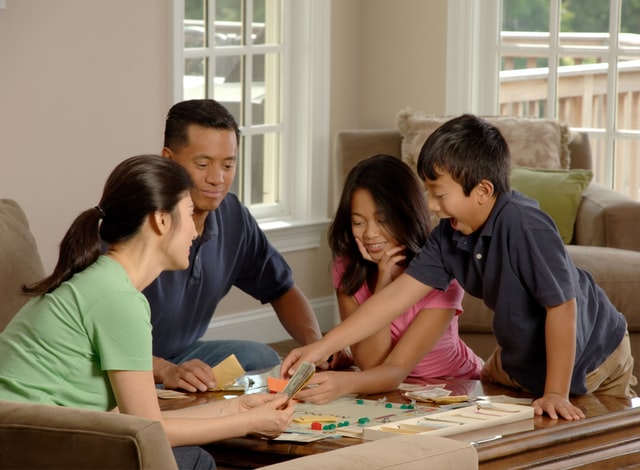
[[211, 227]]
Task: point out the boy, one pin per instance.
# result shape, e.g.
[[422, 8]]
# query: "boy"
[[558, 333]]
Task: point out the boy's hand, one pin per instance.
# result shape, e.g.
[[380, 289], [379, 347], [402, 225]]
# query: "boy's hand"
[[310, 353], [555, 404]]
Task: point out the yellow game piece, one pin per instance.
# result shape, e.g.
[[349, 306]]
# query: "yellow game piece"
[[303, 419]]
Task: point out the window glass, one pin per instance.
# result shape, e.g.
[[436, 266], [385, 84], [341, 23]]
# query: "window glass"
[[243, 71]]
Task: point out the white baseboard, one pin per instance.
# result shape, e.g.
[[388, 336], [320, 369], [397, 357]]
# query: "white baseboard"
[[262, 324]]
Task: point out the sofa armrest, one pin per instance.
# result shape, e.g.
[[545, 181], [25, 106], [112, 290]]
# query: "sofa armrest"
[[607, 218], [394, 453], [42, 436]]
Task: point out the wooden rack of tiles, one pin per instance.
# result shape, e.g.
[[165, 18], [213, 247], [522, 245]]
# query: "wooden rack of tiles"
[[450, 422]]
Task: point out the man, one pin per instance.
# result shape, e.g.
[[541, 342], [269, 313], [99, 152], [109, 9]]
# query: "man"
[[230, 250]]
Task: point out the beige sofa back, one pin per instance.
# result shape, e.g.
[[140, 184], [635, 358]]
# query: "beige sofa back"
[[19, 259]]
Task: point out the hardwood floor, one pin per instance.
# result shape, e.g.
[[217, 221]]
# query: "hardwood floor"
[[283, 347]]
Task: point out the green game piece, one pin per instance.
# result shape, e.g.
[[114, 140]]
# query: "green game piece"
[[360, 401], [388, 405]]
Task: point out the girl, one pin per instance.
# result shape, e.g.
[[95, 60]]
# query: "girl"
[[84, 340], [380, 225]]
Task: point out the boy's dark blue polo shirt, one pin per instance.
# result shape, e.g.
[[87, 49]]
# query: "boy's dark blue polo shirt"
[[518, 265]]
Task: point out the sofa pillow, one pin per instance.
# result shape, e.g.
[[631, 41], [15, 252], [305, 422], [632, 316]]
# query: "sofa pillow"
[[557, 191], [533, 142], [19, 259]]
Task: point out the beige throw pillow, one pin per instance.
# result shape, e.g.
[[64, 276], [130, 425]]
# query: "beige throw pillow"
[[535, 143]]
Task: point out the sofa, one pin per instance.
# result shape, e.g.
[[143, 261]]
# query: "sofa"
[[50, 437], [603, 240]]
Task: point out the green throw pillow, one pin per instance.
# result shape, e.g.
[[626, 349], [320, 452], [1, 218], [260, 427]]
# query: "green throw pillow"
[[557, 191]]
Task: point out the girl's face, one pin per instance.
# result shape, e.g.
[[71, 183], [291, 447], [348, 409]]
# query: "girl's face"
[[368, 225], [181, 238]]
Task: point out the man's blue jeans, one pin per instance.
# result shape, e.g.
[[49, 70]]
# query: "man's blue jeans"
[[252, 355]]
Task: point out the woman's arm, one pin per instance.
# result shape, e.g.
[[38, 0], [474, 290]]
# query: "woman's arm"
[[419, 339], [135, 394]]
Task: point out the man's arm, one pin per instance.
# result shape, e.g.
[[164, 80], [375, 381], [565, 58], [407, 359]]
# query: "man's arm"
[[296, 315]]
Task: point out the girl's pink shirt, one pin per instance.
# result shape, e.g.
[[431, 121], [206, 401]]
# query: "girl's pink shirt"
[[450, 357]]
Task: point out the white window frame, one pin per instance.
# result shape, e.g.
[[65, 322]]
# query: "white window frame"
[[473, 54], [304, 162]]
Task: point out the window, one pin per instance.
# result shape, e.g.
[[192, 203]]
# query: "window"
[[574, 61], [257, 58]]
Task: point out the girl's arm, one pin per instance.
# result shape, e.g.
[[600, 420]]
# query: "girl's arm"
[[419, 339], [136, 395]]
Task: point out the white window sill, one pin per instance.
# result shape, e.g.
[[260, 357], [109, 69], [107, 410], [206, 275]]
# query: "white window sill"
[[288, 236]]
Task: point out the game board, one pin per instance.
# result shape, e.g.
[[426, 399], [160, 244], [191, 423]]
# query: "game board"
[[376, 419], [348, 416]]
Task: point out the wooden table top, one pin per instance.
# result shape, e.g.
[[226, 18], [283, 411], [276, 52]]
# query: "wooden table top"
[[611, 430]]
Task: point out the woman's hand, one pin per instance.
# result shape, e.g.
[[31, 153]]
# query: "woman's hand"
[[267, 418]]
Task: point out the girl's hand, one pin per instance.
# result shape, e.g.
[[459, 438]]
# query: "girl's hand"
[[325, 387], [388, 264]]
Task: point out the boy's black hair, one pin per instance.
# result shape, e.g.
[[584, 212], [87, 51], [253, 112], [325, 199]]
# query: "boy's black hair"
[[470, 150]]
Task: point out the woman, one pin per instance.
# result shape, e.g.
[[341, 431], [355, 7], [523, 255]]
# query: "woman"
[[380, 224], [84, 340]]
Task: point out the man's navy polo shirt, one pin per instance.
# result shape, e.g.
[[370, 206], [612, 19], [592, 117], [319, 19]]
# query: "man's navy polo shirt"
[[232, 250], [518, 265]]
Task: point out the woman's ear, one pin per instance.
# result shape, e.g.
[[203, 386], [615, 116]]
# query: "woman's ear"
[[159, 222], [485, 191]]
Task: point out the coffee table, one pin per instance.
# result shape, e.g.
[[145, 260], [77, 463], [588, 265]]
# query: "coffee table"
[[608, 437]]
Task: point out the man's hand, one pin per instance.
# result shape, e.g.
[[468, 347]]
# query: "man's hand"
[[555, 404], [192, 376]]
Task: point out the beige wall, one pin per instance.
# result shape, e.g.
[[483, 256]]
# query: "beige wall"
[[85, 84]]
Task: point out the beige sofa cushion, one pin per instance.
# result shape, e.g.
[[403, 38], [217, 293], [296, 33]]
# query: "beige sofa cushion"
[[409, 452], [19, 259], [43, 436], [535, 143]]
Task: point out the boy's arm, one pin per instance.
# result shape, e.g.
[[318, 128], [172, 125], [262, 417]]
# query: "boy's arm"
[[560, 334], [372, 350], [378, 311]]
